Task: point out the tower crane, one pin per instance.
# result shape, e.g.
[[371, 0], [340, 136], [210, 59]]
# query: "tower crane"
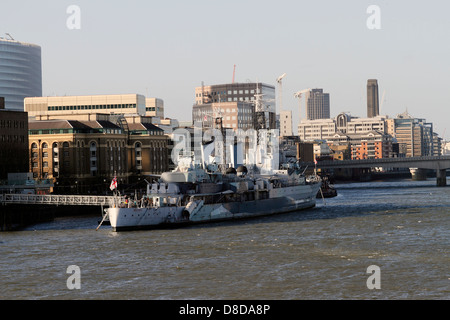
[[280, 83], [299, 95]]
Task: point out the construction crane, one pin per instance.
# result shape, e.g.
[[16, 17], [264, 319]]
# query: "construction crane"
[[280, 83], [234, 73], [299, 95]]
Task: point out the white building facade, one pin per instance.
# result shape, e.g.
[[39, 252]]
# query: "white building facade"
[[324, 129]]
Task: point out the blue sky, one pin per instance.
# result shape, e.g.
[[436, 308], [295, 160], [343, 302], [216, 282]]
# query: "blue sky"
[[165, 49]]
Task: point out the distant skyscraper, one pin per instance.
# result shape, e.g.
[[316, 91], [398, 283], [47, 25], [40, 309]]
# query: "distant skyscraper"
[[20, 72], [373, 107], [317, 105]]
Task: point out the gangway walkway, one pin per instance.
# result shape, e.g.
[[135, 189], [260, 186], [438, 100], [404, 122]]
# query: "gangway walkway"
[[58, 200]]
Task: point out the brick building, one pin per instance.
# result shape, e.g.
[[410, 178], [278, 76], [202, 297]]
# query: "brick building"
[[83, 153]]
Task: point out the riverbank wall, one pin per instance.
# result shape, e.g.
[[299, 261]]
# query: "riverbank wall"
[[14, 217]]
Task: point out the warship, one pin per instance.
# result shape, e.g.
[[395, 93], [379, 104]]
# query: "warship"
[[190, 195]]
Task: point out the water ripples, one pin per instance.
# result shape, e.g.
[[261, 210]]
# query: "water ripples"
[[322, 253]]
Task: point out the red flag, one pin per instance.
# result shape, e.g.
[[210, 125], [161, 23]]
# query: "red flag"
[[113, 184]]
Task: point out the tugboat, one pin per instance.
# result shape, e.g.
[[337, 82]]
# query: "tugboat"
[[327, 190]]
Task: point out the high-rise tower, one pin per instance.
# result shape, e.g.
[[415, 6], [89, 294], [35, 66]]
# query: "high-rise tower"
[[373, 107], [20, 72], [317, 104]]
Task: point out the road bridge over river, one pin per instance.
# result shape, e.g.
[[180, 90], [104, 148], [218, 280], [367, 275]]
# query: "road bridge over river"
[[438, 163]]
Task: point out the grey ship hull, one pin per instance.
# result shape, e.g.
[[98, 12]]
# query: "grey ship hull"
[[281, 200]]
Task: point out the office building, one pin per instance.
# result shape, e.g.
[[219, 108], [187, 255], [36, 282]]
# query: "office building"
[[212, 100], [415, 133], [13, 142], [366, 137], [234, 92], [373, 107], [20, 72], [317, 104], [154, 107], [323, 129], [235, 115], [44, 107]]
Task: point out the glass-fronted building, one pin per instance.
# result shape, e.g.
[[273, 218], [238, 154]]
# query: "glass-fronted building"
[[20, 72]]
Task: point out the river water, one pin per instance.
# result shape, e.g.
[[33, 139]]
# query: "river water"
[[402, 227]]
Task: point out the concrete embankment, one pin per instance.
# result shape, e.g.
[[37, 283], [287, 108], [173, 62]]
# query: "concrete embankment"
[[18, 216]]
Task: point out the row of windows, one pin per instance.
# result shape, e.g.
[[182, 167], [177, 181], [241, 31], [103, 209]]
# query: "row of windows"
[[45, 145], [54, 131], [228, 110], [93, 145], [102, 130], [243, 118], [143, 132], [64, 131], [230, 99], [217, 93], [12, 138], [92, 107], [45, 154], [10, 124]]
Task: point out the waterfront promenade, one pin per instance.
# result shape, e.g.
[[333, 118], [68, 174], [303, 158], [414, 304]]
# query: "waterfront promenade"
[[58, 200], [19, 210]]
